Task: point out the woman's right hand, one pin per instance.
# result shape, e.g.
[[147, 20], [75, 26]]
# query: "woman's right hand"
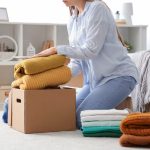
[[47, 52]]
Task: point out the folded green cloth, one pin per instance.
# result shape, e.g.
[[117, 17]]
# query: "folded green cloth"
[[106, 134], [112, 131]]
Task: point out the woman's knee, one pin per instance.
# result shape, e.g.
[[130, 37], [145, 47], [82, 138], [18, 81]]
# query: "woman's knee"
[[82, 94], [78, 118]]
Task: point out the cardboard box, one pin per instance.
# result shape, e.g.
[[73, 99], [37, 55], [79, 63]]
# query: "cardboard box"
[[76, 81], [127, 103], [46, 110], [4, 90]]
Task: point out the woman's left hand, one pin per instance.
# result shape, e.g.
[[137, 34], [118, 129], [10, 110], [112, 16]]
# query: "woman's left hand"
[[47, 52]]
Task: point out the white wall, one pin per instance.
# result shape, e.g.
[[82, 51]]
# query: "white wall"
[[141, 10], [36, 10], [56, 11]]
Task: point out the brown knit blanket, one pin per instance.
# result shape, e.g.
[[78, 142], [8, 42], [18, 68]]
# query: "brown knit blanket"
[[136, 124], [133, 140]]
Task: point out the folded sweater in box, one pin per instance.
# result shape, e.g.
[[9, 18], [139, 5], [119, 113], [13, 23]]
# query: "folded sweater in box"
[[50, 78], [41, 72], [38, 65]]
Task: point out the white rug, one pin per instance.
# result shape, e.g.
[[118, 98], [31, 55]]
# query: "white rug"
[[74, 140]]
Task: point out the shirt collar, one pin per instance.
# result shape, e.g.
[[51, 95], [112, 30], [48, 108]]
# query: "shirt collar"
[[87, 4]]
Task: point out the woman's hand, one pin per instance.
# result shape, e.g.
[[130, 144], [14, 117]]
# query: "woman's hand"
[[47, 52]]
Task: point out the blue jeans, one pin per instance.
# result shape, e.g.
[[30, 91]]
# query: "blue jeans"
[[5, 111], [106, 96]]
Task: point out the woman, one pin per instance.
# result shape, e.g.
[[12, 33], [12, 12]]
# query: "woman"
[[109, 74], [96, 51]]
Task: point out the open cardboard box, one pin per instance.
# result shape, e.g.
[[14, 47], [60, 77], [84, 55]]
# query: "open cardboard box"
[[46, 110]]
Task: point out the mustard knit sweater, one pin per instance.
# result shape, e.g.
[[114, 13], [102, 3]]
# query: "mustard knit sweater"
[[38, 65], [41, 72]]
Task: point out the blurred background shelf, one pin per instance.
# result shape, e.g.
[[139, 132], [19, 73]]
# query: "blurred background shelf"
[[37, 33], [136, 35], [25, 33], [8, 63]]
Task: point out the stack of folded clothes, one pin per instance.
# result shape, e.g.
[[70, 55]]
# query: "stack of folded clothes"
[[41, 72], [136, 130], [102, 123]]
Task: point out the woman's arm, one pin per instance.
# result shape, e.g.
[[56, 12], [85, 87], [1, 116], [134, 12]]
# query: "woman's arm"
[[97, 27], [47, 52], [96, 30], [75, 67]]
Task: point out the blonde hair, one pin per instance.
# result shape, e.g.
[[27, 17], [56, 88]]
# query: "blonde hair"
[[72, 8]]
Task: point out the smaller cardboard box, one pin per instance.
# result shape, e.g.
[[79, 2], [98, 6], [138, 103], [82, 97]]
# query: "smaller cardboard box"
[[4, 90], [127, 103], [46, 110]]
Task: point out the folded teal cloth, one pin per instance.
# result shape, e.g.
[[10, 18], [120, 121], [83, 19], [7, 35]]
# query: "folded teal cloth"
[[105, 131], [106, 134]]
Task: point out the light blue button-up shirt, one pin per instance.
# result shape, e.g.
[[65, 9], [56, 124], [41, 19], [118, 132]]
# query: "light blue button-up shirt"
[[94, 46]]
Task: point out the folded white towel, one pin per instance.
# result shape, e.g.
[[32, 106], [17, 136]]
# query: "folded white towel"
[[102, 117], [101, 123], [104, 112]]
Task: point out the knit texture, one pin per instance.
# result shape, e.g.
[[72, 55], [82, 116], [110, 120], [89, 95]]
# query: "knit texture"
[[136, 124], [133, 140], [38, 65], [50, 78]]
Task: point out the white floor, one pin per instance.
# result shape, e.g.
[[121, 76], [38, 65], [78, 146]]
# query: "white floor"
[[72, 140]]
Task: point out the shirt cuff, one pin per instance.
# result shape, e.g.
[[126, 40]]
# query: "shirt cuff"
[[61, 50]]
